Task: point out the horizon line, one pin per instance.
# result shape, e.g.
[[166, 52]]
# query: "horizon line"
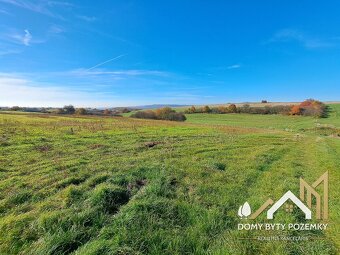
[[174, 105]]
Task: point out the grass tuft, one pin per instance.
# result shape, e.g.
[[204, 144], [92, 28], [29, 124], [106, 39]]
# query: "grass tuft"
[[109, 198]]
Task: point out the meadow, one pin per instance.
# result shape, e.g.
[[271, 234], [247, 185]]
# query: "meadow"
[[118, 185], [269, 121]]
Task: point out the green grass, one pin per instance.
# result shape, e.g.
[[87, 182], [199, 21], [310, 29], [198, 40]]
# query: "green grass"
[[295, 123], [89, 185]]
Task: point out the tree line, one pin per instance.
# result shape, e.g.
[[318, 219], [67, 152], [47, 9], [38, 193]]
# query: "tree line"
[[309, 107], [70, 109]]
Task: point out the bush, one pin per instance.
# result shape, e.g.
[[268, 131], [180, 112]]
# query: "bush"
[[107, 112], [15, 108], [280, 109], [165, 113], [232, 108], [245, 108], [81, 111], [206, 109], [148, 114], [59, 111], [310, 107], [296, 110], [192, 109], [69, 109], [222, 109], [176, 116]]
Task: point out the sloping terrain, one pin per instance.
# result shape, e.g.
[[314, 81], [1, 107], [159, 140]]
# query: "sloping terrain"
[[94, 185]]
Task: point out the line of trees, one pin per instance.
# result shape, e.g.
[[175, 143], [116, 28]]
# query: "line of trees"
[[309, 107], [165, 113], [70, 109], [246, 108]]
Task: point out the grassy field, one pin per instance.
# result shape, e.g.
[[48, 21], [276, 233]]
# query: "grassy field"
[[251, 104], [295, 123], [93, 185]]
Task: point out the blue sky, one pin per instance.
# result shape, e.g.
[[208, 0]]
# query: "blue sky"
[[123, 53]]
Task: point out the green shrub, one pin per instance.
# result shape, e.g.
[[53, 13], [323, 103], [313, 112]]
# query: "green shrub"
[[148, 114], [175, 116], [165, 113], [81, 111], [69, 109], [206, 109]]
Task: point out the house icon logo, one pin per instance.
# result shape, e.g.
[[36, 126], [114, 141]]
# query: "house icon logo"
[[304, 203]]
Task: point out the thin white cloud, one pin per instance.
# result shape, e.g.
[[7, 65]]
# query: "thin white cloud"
[[236, 66], [293, 35], [41, 7], [24, 38], [12, 39], [59, 3], [55, 29], [99, 72], [35, 7], [107, 61], [27, 38]]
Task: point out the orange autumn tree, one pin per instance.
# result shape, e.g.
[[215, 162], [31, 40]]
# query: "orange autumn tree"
[[296, 110], [309, 107]]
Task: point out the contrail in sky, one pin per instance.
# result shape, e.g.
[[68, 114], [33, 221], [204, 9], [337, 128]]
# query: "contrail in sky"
[[107, 61]]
